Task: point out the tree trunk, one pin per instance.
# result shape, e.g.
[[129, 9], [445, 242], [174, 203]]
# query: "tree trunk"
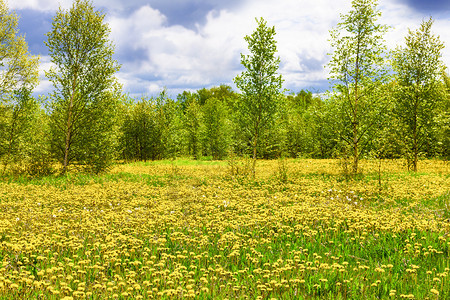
[[69, 129], [355, 114], [255, 144], [10, 141], [68, 137], [415, 150], [355, 158], [415, 142]]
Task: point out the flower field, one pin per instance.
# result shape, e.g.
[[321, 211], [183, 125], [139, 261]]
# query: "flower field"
[[184, 229]]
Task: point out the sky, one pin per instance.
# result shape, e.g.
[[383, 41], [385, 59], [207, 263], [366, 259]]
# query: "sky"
[[191, 44]]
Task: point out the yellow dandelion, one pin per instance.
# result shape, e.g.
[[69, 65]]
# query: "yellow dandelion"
[[434, 291]]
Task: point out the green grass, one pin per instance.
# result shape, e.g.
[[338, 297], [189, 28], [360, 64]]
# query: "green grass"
[[166, 228], [180, 162]]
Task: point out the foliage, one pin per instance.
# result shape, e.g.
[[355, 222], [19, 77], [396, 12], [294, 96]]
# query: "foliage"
[[18, 69], [83, 105], [23, 135], [38, 158], [302, 124], [217, 128], [418, 68], [259, 83], [358, 69], [193, 125], [141, 138], [442, 120], [170, 119]]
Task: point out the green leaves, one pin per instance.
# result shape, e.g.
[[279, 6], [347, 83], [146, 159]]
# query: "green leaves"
[[18, 109], [419, 89], [80, 48], [358, 69], [217, 133], [260, 84], [19, 68], [84, 102]]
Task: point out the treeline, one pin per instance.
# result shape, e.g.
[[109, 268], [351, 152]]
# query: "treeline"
[[205, 125], [383, 104]]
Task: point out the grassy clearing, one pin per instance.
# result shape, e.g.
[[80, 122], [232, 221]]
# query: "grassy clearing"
[[184, 229]]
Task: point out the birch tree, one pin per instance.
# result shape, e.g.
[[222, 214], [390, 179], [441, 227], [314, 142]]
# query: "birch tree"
[[357, 69], [260, 84], [419, 68], [18, 68], [84, 101]]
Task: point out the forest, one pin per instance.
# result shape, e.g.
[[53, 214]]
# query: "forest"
[[382, 103]]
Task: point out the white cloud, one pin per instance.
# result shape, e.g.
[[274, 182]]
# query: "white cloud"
[[155, 54], [41, 5], [44, 84], [401, 18], [177, 55], [209, 55]]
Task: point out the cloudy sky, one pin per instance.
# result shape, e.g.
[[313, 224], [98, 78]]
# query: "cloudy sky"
[[191, 44]]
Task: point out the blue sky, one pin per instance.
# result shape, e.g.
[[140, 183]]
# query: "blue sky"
[[190, 44]]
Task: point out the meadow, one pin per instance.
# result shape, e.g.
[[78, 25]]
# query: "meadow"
[[207, 230]]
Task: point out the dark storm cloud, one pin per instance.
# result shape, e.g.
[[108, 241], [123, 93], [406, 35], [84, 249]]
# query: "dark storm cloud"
[[429, 6], [35, 24]]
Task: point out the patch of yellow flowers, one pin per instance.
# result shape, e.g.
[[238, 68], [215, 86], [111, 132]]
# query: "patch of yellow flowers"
[[203, 234]]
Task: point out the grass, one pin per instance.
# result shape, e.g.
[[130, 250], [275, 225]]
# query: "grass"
[[185, 229], [179, 162]]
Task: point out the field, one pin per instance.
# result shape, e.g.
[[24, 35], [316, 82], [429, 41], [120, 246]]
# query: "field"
[[186, 229]]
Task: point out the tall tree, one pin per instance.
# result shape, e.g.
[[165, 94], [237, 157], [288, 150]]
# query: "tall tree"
[[18, 69], [443, 121], [260, 84], [357, 69], [86, 92], [419, 68]]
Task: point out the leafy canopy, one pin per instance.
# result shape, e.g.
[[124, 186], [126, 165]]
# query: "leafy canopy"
[[18, 68]]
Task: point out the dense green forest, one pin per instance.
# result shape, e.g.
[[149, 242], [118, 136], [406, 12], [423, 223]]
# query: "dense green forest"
[[382, 103]]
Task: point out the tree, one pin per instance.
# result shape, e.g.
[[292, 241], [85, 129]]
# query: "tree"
[[140, 135], [217, 128], [193, 126], [213, 129], [18, 69], [419, 69], [302, 129], [443, 121], [358, 69], [18, 76], [169, 122], [260, 84], [15, 126], [84, 103]]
